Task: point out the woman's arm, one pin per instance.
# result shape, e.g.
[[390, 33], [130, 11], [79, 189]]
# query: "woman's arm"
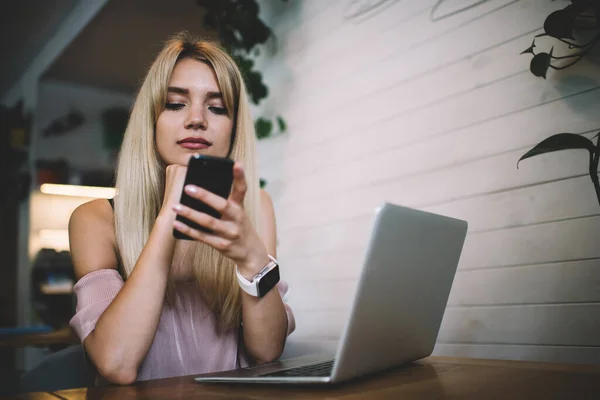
[[125, 331], [265, 319]]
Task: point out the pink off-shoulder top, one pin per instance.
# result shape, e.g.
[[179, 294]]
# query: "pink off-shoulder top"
[[186, 342]]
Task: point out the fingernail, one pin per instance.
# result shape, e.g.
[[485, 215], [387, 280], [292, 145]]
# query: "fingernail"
[[191, 189], [177, 207], [178, 225]]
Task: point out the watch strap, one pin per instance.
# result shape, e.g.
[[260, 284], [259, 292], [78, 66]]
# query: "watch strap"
[[252, 287]]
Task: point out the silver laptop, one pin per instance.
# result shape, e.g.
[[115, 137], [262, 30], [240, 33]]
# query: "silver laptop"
[[402, 292]]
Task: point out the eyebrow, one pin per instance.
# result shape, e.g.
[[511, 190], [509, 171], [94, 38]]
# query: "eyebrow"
[[209, 94]]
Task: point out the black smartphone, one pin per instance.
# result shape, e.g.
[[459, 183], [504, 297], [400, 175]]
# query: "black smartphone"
[[214, 174]]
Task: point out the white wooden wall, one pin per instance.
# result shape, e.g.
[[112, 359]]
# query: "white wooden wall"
[[434, 114]]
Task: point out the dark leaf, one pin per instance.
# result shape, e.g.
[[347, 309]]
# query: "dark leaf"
[[263, 128], [540, 63], [256, 87], [560, 23], [281, 124], [561, 141], [529, 49]]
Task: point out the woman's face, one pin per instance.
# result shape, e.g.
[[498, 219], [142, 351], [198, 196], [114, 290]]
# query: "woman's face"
[[194, 120]]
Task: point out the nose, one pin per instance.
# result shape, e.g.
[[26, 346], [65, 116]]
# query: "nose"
[[195, 119]]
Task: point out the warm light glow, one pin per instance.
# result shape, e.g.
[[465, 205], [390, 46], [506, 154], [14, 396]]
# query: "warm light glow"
[[57, 239], [81, 191]]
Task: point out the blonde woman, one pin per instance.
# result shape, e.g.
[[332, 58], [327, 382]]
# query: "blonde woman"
[[150, 306]]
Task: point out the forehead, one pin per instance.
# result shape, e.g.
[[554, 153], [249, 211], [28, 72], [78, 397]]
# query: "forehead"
[[194, 75]]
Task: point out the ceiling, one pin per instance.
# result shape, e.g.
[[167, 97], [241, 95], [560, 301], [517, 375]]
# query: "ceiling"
[[113, 51], [25, 27]]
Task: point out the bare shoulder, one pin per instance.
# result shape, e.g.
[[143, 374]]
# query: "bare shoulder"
[[265, 209], [92, 237], [265, 199]]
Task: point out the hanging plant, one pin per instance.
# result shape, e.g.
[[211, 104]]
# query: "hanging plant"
[[571, 141], [578, 17], [240, 31]]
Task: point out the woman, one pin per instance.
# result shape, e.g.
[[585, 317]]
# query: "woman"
[[150, 306]]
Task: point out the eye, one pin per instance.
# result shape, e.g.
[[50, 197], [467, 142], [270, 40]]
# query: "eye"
[[174, 106], [218, 110]]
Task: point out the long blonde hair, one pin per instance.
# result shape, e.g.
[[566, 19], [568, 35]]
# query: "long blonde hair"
[[140, 175]]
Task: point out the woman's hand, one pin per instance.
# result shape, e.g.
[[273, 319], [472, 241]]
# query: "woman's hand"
[[175, 177], [233, 235]]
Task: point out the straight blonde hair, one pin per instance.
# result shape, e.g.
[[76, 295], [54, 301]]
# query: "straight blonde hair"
[[140, 175]]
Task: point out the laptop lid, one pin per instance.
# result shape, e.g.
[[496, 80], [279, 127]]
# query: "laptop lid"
[[401, 296], [403, 290]]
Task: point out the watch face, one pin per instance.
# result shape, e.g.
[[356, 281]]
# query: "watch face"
[[267, 282]]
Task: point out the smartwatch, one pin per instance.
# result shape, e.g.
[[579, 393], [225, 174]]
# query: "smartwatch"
[[262, 282]]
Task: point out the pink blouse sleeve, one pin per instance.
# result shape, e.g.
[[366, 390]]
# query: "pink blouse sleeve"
[[283, 288], [94, 292]]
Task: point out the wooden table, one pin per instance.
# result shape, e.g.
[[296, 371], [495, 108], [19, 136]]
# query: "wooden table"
[[432, 378], [64, 336]]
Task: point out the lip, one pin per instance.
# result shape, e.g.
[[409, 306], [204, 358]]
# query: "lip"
[[194, 143]]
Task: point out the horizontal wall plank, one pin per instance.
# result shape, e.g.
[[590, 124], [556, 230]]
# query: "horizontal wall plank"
[[561, 200], [301, 27], [396, 43], [343, 36], [577, 281], [529, 244], [521, 207], [567, 325], [350, 234], [448, 45], [536, 244], [413, 82], [337, 265], [555, 354], [314, 296], [574, 114], [513, 94], [292, 19], [324, 325], [493, 174], [563, 325], [569, 282]]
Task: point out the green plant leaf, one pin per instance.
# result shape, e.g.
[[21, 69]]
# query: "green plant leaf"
[[529, 49], [263, 183], [281, 124], [263, 128], [241, 31], [540, 63], [560, 23], [561, 141]]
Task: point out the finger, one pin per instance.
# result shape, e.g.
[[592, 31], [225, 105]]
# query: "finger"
[[220, 228], [239, 187], [210, 239], [212, 200]]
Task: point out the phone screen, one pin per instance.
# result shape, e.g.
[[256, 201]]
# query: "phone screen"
[[214, 174]]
